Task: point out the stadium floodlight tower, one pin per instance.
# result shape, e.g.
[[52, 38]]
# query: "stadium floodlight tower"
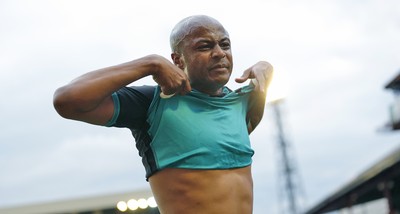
[[291, 193]]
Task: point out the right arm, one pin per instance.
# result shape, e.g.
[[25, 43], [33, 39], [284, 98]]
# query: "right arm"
[[88, 97], [261, 75]]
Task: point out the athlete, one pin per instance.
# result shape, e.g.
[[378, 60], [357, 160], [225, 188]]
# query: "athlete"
[[191, 131]]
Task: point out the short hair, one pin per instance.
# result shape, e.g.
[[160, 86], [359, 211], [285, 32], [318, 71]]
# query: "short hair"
[[184, 28]]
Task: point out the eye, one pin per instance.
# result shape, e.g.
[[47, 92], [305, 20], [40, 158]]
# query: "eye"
[[204, 47], [225, 45]]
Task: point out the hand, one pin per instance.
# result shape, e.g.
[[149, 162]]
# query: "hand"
[[261, 74], [171, 78]]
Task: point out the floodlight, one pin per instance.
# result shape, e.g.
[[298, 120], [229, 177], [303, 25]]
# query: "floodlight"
[[121, 206]]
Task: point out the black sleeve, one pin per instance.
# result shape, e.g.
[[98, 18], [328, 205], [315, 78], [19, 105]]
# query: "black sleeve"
[[134, 101]]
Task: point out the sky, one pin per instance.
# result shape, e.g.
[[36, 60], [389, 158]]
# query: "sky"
[[332, 58]]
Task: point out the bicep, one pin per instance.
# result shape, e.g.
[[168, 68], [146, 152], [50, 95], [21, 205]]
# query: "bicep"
[[101, 114], [127, 107]]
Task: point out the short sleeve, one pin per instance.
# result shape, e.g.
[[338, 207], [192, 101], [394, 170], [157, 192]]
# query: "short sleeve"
[[130, 106]]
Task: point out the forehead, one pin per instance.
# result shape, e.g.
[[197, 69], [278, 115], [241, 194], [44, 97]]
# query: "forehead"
[[212, 32]]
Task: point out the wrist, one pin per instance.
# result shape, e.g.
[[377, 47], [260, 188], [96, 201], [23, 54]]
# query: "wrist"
[[154, 64]]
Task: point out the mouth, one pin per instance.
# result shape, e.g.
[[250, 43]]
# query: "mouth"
[[220, 67]]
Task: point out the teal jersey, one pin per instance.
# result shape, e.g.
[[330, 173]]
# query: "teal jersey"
[[197, 131]]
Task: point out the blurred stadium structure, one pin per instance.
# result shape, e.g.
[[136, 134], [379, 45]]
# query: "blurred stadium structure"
[[291, 193], [135, 202], [376, 190]]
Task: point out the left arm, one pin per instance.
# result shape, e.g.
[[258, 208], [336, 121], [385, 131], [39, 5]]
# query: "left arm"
[[261, 75]]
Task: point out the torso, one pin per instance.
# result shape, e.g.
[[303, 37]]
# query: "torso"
[[197, 131], [228, 191], [209, 171]]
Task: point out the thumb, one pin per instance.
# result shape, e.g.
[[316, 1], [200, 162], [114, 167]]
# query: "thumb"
[[245, 76]]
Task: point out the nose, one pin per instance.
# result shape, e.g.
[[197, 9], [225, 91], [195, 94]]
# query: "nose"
[[218, 52]]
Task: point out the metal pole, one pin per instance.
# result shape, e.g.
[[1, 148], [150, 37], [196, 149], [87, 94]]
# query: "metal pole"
[[287, 168]]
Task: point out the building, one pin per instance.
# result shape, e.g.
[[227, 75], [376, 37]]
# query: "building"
[[379, 185], [135, 202], [394, 85]]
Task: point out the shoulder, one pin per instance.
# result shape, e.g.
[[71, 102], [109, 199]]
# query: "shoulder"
[[131, 104], [144, 91]]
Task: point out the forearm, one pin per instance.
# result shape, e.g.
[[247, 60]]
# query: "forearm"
[[256, 111], [261, 75], [88, 91]]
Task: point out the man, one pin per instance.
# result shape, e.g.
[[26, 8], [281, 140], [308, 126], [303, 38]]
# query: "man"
[[191, 131]]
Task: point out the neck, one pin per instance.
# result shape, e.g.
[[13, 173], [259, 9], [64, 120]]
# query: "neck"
[[210, 91]]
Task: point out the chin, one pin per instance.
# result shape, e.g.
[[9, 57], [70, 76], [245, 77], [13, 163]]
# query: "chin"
[[223, 81]]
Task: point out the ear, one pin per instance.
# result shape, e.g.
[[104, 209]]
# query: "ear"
[[178, 60]]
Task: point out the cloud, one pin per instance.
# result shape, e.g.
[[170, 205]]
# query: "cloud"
[[91, 163]]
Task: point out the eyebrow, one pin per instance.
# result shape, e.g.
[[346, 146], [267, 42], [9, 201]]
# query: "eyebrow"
[[207, 40]]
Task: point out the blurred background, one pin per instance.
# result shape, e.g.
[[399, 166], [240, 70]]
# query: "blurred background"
[[332, 59]]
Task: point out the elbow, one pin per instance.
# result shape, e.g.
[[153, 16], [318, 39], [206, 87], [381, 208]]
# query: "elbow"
[[64, 103]]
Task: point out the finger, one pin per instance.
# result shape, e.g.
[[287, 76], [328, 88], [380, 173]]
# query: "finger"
[[167, 91], [185, 87], [166, 96], [245, 76]]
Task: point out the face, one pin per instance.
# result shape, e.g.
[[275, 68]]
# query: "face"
[[206, 58]]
